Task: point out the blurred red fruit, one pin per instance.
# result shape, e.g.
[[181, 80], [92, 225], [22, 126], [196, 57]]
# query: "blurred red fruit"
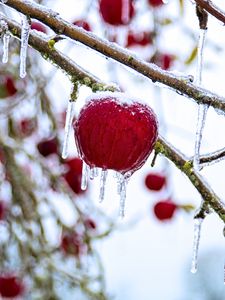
[[72, 244], [82, 23], [11, 286], [117, 12], [114, 132], [27, 127], [48, 147], [3, 209], [164, 210], [75, 165], [139, 39], [74, 181], [155, 3], [10, 86], [90, 224], [155, 182], [38, 26], [164, 61]]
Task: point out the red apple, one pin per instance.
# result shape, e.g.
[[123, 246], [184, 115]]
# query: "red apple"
[[117, 12], [115, 132], [82, 23], [165, 209], [47, 147], [38, 26], [155, 181], [11, 286]]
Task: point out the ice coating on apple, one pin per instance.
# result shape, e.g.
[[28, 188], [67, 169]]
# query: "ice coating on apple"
[[115, 132]]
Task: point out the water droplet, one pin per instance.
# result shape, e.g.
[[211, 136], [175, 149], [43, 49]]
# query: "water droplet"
[[103, 177], [68, 126], [197, 235]]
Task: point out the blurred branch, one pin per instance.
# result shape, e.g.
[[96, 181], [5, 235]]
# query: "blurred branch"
[[212, 9], [182, 84]]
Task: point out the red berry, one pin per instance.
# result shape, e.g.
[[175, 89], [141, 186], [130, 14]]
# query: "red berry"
[[38, 26], [48, 146], [164, 210], [164, 61], [140, 38], [74, 181], [155, 182], [114, 132], [90, 224], [11, 286], [72, 243], [117, 12], [10, 86], [82, 23], [3, 209], [155, 3], [75, 165], [27, 126]]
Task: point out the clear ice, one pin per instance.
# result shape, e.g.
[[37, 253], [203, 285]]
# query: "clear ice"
[[103, 178], [24, 45], [68, 126], [6, 38], [85, 175], [202, 108], [197, 235]]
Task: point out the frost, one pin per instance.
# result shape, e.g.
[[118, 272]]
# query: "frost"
[[103, 178], [24, 45], [85, 174], [202, 108], [197, 235], [5, 56], [68, 126]]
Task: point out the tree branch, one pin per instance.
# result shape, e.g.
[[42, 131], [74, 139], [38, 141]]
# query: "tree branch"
[[62, 61], [163, 147], [212, 9], [182, 85], [179, 159]]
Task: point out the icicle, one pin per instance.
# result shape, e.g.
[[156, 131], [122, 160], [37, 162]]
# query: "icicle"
[[24, 44], [93, 173], [125, 11], [197, 234], [85, 175], [68, 126], [5, 56], [123, 190], [202, 108], [104, 174]]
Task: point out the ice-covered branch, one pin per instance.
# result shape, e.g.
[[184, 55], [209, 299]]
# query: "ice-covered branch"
[[212, 9], [163, 147], [43, 46], [208, 195], [180, 84]]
